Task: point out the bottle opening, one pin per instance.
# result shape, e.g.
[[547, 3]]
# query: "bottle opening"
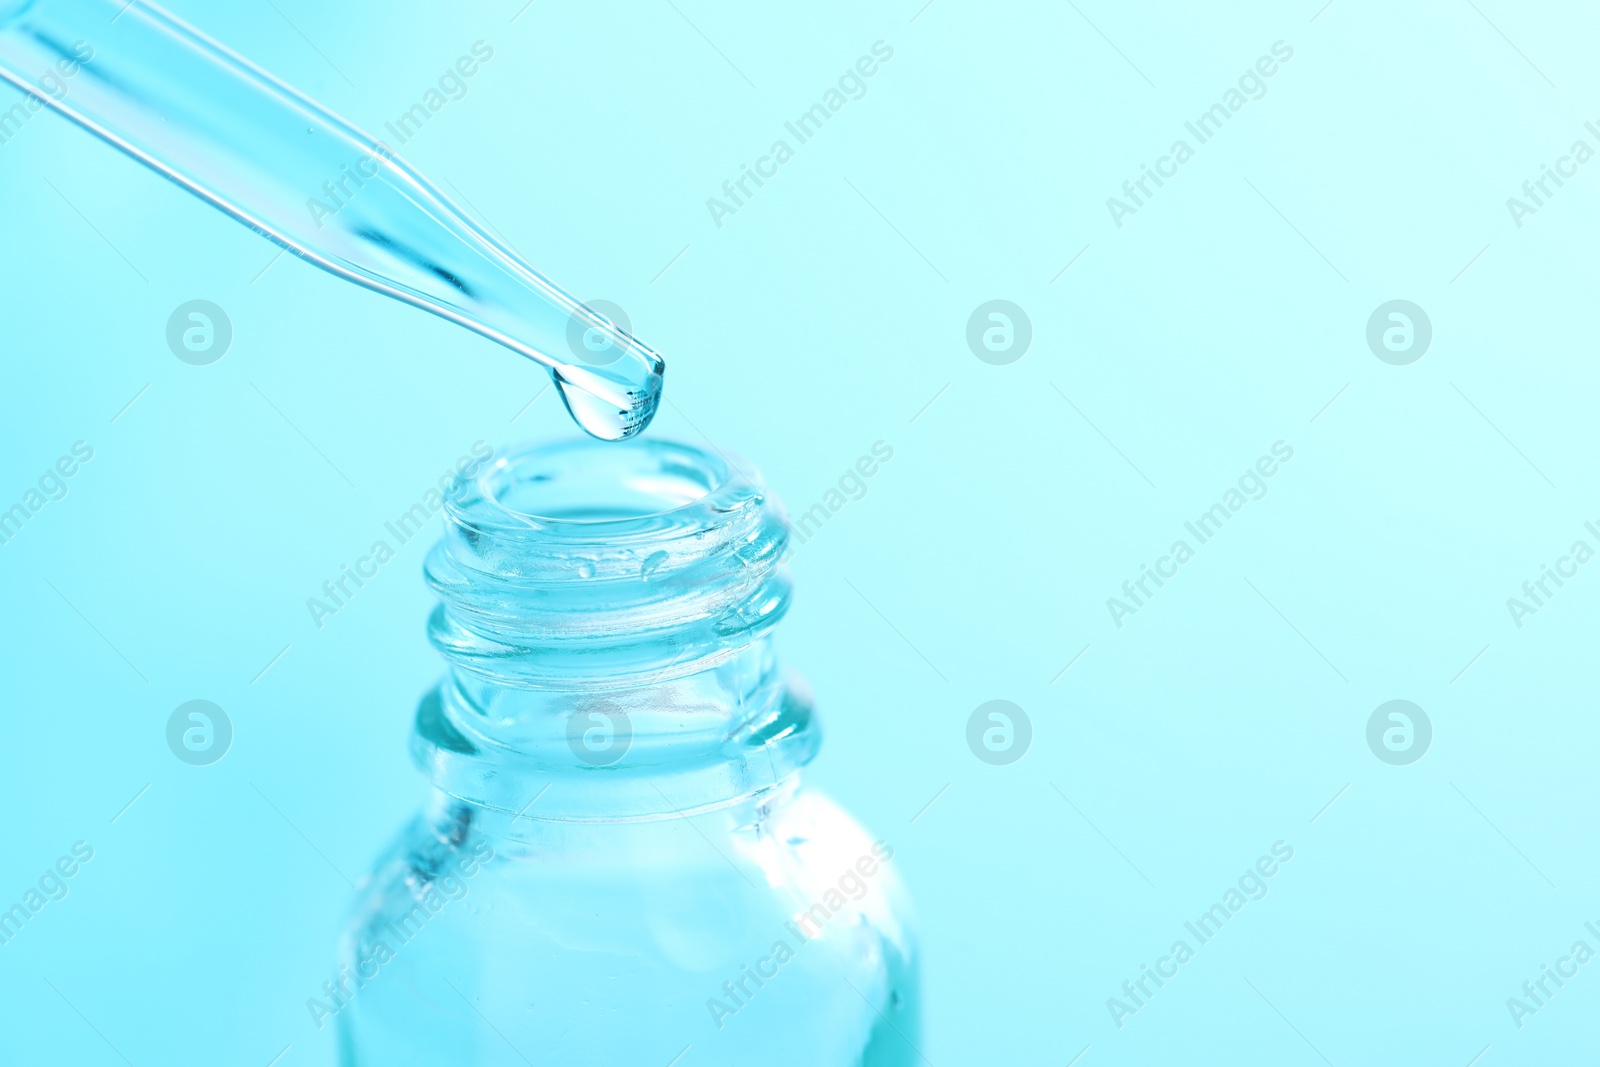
[[589, 482]]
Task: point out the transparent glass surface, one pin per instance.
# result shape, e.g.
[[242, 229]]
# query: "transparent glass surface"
[[620, 862], [281, 163]]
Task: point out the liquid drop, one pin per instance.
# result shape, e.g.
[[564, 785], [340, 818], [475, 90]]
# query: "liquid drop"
[[614, 402]]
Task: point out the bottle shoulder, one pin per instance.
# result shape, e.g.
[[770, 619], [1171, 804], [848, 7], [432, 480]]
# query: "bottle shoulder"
[[733, 933], [805, 856]]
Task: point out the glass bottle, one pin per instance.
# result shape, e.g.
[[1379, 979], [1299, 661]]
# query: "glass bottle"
[[619, 863]]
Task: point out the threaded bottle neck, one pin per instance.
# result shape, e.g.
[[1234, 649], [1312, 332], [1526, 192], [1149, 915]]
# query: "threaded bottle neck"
[[605, 611], [584, 565]]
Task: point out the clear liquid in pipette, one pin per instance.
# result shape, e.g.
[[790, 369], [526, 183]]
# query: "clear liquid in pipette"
[[338, 198]]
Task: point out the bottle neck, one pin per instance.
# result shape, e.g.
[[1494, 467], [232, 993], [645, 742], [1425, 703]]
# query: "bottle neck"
[[715, 738], [606, 611]]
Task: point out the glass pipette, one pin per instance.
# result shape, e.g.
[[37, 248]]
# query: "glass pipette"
[[287, 167]]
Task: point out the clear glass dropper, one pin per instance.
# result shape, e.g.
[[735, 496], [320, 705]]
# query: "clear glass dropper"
[[287, 167]]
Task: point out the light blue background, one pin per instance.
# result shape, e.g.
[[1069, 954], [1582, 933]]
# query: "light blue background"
[[821, 318]]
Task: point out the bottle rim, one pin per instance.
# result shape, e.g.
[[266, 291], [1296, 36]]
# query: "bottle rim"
[[582, 489]]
